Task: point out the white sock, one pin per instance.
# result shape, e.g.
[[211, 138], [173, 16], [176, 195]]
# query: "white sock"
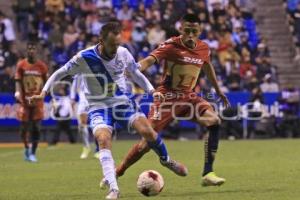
[[83, 130], [108, 168]]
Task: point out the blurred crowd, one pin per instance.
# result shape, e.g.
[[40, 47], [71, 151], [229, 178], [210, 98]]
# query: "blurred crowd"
[[63, 27]]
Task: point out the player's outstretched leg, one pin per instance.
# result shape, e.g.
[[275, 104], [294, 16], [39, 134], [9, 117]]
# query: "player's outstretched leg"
[[103, 136], [35, 136], [143, 127], [209, 178], [83, 131], [135, 153], [97, 149], [24, 137]]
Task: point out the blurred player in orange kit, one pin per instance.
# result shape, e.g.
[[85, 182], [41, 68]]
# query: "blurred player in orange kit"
[[182, 58], [31, 74]]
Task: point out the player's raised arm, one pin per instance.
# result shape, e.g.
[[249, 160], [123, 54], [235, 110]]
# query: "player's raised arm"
[[210, 73], [140, 78], [147, 62], [72, 67]]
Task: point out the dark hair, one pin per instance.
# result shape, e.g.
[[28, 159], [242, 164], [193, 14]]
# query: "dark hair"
[[32, 43], [192, 18], [110, 27]]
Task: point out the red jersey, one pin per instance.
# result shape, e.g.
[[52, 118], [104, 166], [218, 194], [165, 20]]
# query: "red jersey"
[[32, 77], [182, 65]]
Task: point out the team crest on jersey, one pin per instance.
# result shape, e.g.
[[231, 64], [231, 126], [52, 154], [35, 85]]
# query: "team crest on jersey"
[[120, 66], [192, 60]]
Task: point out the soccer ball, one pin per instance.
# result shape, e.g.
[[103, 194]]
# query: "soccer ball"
[[150, 183]]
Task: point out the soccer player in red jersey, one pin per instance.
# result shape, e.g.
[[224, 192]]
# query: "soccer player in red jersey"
[[182, 58], [31, 74]]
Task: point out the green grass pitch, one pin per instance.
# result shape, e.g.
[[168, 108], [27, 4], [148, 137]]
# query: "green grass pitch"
[[264, 169]]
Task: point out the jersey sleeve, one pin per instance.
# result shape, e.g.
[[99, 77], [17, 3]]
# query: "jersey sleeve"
[[162, 51], [75, 65], [19, 71], [131, 64], [74, 88]]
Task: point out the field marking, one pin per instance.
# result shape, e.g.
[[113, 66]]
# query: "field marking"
[[14, 145], [11, 153]]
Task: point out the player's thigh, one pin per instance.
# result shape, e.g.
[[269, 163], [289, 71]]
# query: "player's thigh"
[[83, 118], [103, 136], [100, 122], [22, 113], [24, 127], [160, 115], [208, 118], [143, 127], [37, 113]]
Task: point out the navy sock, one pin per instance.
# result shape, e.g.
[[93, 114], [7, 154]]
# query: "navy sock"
[[160, 148], [210, 148], [34, 146], [97, 146]]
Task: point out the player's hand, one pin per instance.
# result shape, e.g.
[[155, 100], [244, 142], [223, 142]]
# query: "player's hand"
[[18, 96], [158, 96], [33, 99], [224, 99]]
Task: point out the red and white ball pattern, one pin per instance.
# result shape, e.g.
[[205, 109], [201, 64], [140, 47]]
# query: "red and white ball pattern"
[[150, 183]]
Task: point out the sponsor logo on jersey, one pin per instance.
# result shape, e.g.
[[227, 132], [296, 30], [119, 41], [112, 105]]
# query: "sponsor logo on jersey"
[[192, 60]]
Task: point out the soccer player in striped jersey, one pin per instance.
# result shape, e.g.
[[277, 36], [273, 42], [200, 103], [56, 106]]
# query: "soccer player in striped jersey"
[[103, 67]]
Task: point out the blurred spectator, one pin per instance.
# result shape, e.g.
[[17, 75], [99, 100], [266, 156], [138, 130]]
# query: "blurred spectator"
[[7, 80], [126, 32], [156, 35], [70, 36], [212, 41], [297, 22], [93, 24], [269, 85], [233, 81], [139, 36], [217, 9], [62, 111], [87, 7], [8, 59], [6, 30], [59, 55], [246, 66], [153, 14], [125, 13], [54, 6], [22, 9], [55, 35], [78, 45], [290, 102], [103, 4], [44, 28]]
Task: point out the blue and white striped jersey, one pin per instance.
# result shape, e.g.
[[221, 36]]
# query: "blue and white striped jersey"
[[104, 82]]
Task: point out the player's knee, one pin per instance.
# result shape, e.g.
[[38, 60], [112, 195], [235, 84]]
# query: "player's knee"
[[213, 120], [147, 132], [143, 147], [104, 140]]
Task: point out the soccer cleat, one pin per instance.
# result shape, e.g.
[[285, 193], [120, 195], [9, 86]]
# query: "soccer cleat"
[[103, 184], [97, 154], [85, 152], [26, 154], [176, 167], [113, 194], [211, 179], [32, 158]]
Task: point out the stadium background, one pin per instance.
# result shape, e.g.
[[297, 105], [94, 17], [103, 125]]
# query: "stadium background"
[[254, 48]]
